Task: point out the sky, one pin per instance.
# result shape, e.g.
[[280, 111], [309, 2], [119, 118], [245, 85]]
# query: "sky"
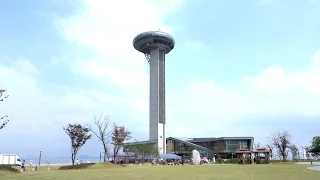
[[239, 68]]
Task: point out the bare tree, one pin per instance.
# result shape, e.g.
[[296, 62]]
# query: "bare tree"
[[257, 146], [102, 124], [79, 135], [3, 119], [281, 141], [119, 135], [108, 153], [270, 147], [294, 151]]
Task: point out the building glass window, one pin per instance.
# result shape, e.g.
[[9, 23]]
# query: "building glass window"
[[236, 144]]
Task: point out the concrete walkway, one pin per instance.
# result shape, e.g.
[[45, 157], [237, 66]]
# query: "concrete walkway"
[[308, 163], [315, 167]]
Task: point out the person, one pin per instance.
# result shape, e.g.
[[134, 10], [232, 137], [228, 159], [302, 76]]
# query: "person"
[[77, 161], [23, 165], [182, 162]]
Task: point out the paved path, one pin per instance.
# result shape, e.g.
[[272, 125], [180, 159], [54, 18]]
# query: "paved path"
[[308, 163], [315, 168]]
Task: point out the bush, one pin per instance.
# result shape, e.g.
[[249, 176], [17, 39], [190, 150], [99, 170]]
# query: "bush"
[[77, 166], [231, 161], [219, 161], [4, 167]]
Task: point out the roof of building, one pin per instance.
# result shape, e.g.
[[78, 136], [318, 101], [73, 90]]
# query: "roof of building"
[[209, 139], [139, 142], [189, 143]]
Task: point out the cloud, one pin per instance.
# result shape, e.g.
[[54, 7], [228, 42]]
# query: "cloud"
[[102, 29], [273, 89], [270, 96], [197, 108]]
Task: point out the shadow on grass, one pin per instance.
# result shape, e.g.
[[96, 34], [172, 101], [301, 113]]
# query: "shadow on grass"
[[91, 166]]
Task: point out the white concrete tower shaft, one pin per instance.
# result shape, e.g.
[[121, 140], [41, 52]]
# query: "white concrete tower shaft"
[[157, 119], [155, 45]]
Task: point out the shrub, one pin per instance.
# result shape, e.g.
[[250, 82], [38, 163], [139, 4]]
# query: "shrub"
[[4, 167], [231, 161], [77, 166], [219, 161]]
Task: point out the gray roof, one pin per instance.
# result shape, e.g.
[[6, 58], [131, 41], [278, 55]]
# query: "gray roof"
[[189, 143], [147, 41], [210, 139], [139, 142]]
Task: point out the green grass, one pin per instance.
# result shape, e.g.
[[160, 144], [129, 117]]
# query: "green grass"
[[204, 172]]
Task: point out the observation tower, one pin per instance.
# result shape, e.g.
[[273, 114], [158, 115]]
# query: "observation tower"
[[155, 45]]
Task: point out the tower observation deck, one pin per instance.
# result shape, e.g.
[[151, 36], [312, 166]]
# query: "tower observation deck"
[[155, 45]]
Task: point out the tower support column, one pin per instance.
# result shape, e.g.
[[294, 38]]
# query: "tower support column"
[[157, 99]]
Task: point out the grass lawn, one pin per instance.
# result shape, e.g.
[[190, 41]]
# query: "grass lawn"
[[204, 172]]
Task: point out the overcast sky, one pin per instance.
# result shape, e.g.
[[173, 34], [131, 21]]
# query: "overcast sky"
[[239, 68]]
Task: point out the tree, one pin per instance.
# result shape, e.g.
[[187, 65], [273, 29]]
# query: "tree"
[[281, 141], [270, 147], [102, 133], [119, 135], [294, 151], [147, 149], [308, 153], [79, 135], [3, 119], [257, 146], [314, 149]]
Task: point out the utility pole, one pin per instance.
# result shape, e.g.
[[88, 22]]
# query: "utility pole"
[[40, 158]]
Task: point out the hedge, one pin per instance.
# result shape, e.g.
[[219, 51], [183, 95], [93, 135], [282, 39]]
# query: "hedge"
[[5, 167], [77, 166]]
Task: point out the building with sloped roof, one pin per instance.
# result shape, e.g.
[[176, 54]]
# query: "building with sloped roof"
[[222, 147]]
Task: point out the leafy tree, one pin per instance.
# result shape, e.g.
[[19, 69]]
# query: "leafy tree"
[[182, 149], [79, 135], [119, 135], [3, 119], [190, 148], [281, 141], [102, 133], [314, 149], [294, 151], [147, 149]]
